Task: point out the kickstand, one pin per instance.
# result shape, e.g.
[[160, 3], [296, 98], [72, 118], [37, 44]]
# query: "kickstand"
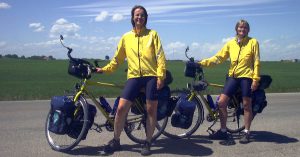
[[210, 130]]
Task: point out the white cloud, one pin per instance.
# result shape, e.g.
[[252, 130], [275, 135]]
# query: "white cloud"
[[278, 49], [294, 46], [225, 40], [176, 45], [4, 5], [117, 17], [2, 44], [43, 44], [37, 27], [175, 11], [62, 26], [102, 16]]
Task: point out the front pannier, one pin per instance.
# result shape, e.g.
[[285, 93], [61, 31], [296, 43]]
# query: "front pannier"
[[184, 112], [61, 114]]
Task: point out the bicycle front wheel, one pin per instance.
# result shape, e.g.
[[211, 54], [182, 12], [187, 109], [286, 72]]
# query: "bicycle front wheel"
[[178, 133], [66, 141], [135, 127]]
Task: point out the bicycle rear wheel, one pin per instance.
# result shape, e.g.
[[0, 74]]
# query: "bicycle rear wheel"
[[135, 127], [235, 119], [65, 142], [178, 133]]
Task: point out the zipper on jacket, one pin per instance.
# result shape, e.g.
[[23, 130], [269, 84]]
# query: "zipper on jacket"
[[139, 57], [240, 45]]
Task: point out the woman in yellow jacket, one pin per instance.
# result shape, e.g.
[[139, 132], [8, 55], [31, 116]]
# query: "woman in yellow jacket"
[[146, 69], [244, 72]]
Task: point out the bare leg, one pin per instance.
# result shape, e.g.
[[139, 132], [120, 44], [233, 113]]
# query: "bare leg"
[[223, 100], [247, 112], [151, 118], [123, 108]]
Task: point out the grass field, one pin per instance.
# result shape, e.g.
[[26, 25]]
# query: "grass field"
[[23, 79]]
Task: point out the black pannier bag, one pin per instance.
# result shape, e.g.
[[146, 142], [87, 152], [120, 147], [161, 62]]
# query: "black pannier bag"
[[77, 122], [259, 101], [163, 106], [169, 78], [61, 114], [138, 107], [184, 112], [79, 68], [265, 81]]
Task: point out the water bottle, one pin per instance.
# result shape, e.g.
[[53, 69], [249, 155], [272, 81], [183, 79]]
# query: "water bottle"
[[105, 104], [114, 110], [211, 102]]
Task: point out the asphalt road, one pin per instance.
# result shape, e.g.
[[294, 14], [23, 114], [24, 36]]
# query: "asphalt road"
[[275, 133]]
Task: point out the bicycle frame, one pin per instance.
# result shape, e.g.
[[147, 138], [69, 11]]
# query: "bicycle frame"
[[214, 114], [83, 90]]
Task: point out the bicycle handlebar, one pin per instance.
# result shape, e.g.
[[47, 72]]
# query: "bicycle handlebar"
[[78, 60]]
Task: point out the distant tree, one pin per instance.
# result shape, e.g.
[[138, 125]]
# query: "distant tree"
[[11, 56], [36, 57], [106, 57], [51, 58], [0, 56], [23, 57]]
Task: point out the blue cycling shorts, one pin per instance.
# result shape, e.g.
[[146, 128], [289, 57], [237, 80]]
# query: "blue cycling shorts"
[[233, 84], [133, 87]]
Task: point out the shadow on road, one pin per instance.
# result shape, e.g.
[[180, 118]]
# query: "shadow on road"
[[262, 136], [265, 136], [193, 146]]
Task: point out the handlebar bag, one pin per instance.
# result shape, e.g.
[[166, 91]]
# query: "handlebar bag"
[[190, 69], [61, 113], [79, 69]]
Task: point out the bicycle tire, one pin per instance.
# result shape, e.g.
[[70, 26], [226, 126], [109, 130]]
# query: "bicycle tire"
[[136, 129], [237, 127], [65, 142], [178, 133]]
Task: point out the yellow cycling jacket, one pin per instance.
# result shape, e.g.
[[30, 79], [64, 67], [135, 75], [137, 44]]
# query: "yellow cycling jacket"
[[144, 53], [244, 58]]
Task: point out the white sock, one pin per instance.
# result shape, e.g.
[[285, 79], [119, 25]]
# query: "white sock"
[[247, 131], [223, 130]]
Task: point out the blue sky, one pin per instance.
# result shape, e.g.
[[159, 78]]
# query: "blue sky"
[[93, 28]]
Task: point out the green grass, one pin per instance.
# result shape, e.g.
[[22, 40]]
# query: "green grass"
[[23, 79]]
